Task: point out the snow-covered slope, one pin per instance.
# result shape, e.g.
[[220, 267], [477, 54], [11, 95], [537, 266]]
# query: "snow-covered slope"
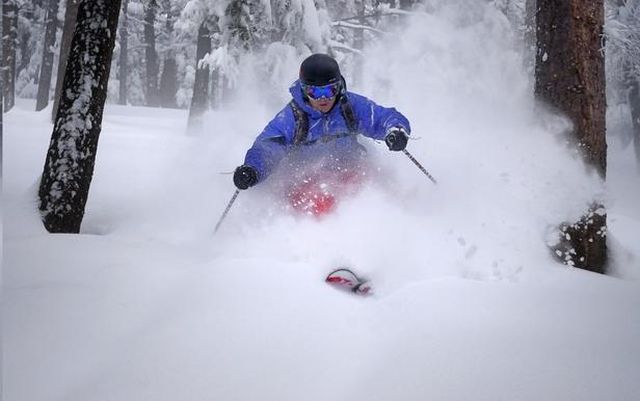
[[146, 304]]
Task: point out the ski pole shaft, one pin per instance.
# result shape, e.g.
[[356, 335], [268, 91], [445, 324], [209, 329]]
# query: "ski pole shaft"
[[417, 163], [233, 199]]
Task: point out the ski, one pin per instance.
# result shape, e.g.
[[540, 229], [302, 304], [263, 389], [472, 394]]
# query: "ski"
[[345, 279]]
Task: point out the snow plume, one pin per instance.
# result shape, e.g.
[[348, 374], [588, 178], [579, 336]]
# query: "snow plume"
[[458, 75], [505, 175]]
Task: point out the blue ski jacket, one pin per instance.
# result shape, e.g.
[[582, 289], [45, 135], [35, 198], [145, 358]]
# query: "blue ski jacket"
[[328, 134]]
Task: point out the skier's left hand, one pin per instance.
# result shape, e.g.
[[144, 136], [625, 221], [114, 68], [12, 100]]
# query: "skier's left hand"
[[396, 139]]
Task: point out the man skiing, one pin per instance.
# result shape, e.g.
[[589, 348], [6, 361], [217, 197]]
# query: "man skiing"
[[315, 137]]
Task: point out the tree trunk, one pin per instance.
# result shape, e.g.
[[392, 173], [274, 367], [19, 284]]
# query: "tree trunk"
[[9, 35], [70, 16], [169, 82], [46, 68], [200, 97], [169, 77], [570, 78], [150, 53], [70, 161], [123, 62]]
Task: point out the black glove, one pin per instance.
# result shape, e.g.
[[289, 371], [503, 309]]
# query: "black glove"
[[396, 139], [245, 177]]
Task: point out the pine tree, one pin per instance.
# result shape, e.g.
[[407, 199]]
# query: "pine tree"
[[70, 160]]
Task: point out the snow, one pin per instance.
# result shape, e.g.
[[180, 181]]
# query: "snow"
[[146, 304]]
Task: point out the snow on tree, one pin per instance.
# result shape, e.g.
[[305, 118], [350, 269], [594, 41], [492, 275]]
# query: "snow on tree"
[[70, 160]]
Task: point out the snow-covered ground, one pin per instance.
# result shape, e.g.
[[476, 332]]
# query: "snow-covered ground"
[[146, 304]]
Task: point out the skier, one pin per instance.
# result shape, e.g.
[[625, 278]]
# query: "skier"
[[316, 133]]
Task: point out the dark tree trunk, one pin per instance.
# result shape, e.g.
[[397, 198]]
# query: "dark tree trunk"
[[169, 77], [570, 78], [46, 68], [150, 53], [169, 82], [70, 161], [200, 97], [70, 16], [123, 62], [9, 35]]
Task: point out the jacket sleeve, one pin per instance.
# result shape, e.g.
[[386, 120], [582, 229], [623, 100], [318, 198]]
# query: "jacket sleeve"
[[375, 121], [271, 145]]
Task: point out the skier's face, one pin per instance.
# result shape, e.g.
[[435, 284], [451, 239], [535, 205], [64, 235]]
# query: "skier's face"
[[323, 104]]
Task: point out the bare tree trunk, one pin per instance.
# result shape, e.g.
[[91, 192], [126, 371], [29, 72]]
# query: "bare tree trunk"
[[200, 97], [46, 68], [570, 78], [70, 16], [169, 77], [9, 35], [150, 53], [169, 82], [123, 62], [70, 161]]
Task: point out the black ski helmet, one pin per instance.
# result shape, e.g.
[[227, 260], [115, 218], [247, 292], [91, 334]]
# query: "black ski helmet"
[[319, 69]]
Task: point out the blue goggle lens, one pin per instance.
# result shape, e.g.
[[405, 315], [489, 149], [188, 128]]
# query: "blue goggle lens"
[[321, 92]]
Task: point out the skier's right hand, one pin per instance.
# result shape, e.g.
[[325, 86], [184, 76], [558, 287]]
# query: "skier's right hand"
[[396, 139], [245, 176]]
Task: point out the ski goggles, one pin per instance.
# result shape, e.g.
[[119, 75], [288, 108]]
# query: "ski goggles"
[[322, 92]]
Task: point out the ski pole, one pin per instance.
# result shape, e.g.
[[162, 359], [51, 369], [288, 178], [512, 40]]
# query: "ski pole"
[[233, 199], [417, 163]]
